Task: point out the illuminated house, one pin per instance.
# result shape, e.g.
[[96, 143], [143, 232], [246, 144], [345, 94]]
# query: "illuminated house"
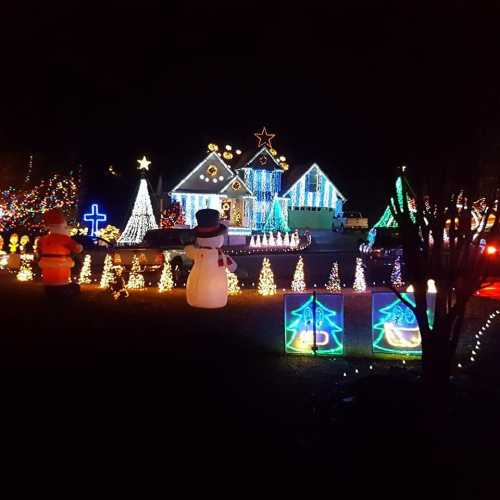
[[213, 184], [244, 193], [262, 174], [313, 199]]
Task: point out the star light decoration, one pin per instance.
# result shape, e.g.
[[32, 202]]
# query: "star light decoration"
[[264, 138], [143, 163]]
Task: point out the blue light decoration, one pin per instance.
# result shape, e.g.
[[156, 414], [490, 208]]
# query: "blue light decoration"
[[314, 189], [94, 217], [394, 326], [300, 310]]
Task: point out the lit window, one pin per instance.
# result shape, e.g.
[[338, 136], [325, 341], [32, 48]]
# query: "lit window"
[[312, 181]]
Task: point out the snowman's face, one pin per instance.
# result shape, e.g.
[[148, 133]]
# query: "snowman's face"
[[213, 242]]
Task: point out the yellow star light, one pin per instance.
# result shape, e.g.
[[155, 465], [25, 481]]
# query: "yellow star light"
[[143, 164], [264, 138]]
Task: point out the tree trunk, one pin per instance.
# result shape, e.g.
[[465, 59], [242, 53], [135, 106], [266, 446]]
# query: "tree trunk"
[[436, 369]]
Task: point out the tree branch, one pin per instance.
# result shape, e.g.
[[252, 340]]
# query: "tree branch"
[[403, 300]]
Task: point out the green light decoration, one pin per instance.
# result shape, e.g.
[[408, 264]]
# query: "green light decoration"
[[394, 326], [299, 332], [275, 220], [387, 220]]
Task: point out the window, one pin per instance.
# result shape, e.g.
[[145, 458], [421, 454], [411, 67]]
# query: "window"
[[312, 181]]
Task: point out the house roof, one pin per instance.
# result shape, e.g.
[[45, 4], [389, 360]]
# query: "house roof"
[[291, 178], [250, 160], [236, 187], [207, 177]]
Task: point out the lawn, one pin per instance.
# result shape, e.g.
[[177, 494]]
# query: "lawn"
[[150, 370]]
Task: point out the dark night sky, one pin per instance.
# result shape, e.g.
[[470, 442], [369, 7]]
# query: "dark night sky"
[[359, 87]]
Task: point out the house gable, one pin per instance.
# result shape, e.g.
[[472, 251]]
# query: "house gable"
[[207, 177], [236, 187], [314, 189], [263, 159]]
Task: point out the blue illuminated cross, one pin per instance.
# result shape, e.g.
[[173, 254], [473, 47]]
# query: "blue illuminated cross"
[[94, 217]]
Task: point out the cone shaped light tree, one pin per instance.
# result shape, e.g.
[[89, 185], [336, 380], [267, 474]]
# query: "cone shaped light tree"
[[166, 282], [107, 272], [25, 273], [396, 279], [275, 220], [86, 271], [135, 278], [142, 218], [333, 284], [233, 287], [359, 278], [298, 283], [266, 279]]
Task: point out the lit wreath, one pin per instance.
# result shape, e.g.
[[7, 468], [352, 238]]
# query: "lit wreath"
[[212, 170]]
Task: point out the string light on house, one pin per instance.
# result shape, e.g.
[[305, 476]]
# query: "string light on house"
[[107, 272], [298, 283], [85, 277], [135, 278], [266, 279], [359, 278], [333, 284]]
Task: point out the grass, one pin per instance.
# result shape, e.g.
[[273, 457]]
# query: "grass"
[[200, 384]]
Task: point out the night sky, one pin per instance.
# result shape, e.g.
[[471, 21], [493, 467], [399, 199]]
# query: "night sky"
[[359, 87]]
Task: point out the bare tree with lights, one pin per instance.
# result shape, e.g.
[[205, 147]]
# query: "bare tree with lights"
[[444, 238]]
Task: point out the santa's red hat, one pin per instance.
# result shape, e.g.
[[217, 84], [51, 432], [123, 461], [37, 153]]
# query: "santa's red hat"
[[52, 217]]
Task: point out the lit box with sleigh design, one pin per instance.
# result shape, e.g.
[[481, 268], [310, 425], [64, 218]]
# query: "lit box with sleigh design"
[[314, 324], [394, 325]]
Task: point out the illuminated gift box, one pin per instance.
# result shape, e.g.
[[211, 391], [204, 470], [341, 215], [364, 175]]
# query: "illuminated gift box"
[[300, 311], [394, 326]]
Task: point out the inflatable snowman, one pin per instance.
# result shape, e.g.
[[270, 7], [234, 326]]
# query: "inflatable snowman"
[[207, 282]]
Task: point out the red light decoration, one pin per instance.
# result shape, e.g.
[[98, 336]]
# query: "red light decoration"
[[491, 250]]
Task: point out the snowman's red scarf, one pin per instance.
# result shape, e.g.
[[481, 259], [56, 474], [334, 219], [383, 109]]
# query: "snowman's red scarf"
[[220, 260]]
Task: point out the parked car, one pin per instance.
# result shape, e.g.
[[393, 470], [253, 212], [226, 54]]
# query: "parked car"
[[349, 221]]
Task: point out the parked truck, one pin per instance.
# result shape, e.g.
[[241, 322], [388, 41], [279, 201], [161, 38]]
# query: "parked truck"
[[349, 221]]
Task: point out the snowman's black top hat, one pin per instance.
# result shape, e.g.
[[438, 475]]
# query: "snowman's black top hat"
[[208, 223]]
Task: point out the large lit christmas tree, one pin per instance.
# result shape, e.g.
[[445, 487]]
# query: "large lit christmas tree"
[[135, 278], [333, 284], [142, 218], [275, 220], [359, 278], [298, 283], [266, 279]]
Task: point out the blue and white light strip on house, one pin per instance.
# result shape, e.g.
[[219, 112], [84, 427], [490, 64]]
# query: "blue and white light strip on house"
[[324, 194]]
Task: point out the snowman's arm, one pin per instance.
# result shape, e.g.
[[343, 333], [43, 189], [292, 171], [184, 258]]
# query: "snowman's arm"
[[231, 264]]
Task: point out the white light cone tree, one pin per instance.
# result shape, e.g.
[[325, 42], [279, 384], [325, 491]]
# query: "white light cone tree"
[[142, 218]]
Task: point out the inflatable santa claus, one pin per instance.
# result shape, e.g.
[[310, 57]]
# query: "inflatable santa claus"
[[55, 251], [207, 281]]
